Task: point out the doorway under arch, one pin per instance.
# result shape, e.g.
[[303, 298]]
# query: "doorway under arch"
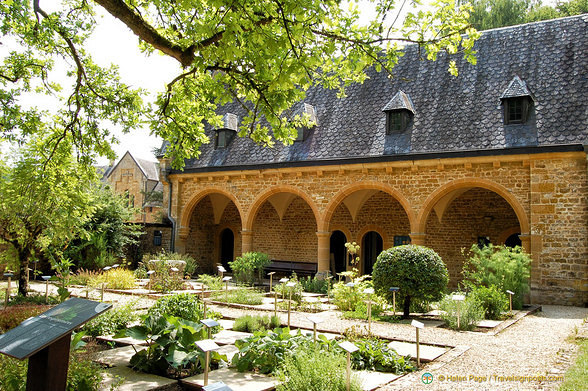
[[513, 240], [338, 252], [372, 245], [227, 247]]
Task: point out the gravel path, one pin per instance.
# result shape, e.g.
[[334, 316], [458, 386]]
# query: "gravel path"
[[537, 345]]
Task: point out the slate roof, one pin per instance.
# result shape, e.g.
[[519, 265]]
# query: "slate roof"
[[400, 101], [452, 114]]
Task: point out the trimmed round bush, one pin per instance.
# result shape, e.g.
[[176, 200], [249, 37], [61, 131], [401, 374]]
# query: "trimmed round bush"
[[418, 271]]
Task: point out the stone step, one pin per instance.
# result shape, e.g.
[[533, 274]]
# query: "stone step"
[[133, 380], [116, 357], [427, 352], [242, 381], [371, 380]]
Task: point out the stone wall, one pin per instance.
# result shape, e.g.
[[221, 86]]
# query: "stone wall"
[[543, 196]]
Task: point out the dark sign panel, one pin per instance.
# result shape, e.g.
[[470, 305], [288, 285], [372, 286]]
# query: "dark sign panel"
[[36, 333]]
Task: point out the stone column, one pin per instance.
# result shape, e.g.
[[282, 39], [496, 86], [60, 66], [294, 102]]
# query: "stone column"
[[324, 250], [181, 238], [418, 239], [246, 241]]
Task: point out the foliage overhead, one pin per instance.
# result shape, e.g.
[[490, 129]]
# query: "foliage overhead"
[[263, 54], [418, 271], [489, 14]]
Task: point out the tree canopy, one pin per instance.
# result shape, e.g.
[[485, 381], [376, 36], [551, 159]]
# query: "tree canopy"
[[263, 54], [488, 14]]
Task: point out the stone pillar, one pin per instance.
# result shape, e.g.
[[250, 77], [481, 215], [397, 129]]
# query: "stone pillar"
[[417, 239], [324, 250], [246, 241], [181, 238]]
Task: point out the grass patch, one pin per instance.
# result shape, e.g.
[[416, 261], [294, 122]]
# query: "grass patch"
[[250, 324], [575, 377], [240, 296]]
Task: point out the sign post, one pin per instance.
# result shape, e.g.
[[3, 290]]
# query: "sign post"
[[458, 299], [417, 325], [226, 280], [46, 278], [315, 320], [290, 285], [271, 274], [283, 281], [349, 348], [221, 270], [9, 275], [394, 289], [45, 341], [209, 324], [510, 293], [369, 292], [206, 345]]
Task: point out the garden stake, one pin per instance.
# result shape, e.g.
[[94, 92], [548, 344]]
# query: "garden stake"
[[271, 274], [369, 292], [206, 368], [510, 293], [418, 325], [458, 299], [394, 289], [102, 292], [46, 278], [349, 348], [204, 302], [275, 303], [348, 371], [289, 303], [7, 292]]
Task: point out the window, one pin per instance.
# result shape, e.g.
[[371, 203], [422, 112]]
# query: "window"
[[401, 240], [300, 135], [157, 238], [516, 110], [483, 241], [397, 121]]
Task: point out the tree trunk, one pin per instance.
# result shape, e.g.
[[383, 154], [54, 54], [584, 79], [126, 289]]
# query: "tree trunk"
[[23, 258], [406, 313]]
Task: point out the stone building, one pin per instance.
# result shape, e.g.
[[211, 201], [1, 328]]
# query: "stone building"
[[497, 154], [138, 181]]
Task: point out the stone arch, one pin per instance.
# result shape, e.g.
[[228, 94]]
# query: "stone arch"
[[345, 231], [366, 185], [190, 205], [263, 197], [460, 184], [375, 228]]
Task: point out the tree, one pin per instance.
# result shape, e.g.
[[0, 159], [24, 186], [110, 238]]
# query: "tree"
[[107, 231], [263, 54], [43, 204], [418, 271], [489, 14]]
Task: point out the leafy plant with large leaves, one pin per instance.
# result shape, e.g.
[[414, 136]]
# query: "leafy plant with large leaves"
[[171, 347], [263, 54]]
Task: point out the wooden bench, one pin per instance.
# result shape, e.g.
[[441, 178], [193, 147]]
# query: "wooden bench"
[[286, 268]]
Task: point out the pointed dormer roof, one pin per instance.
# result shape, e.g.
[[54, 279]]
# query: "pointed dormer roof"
[[517, 89], [400, 101]]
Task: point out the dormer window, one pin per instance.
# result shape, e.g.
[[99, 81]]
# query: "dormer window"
[[399, 111], [311, 112], [517, 101], [226, 133]]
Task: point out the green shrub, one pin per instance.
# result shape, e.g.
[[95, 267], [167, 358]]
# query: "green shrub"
[[164, 280], [376, 355], [111, 321], [313, 369], [418, 271], [118, 278], [12, 316], [348, 298], [246, 266], [284, 291], [314, 285], [83, 276], [171, 347], [470, 312], [33, 298], [214, 283], [82, 374], [182, 305], [240, 296], [492, 301], [252, 323], [361, 311], [191, 264], [504, 267], [141, 271]]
